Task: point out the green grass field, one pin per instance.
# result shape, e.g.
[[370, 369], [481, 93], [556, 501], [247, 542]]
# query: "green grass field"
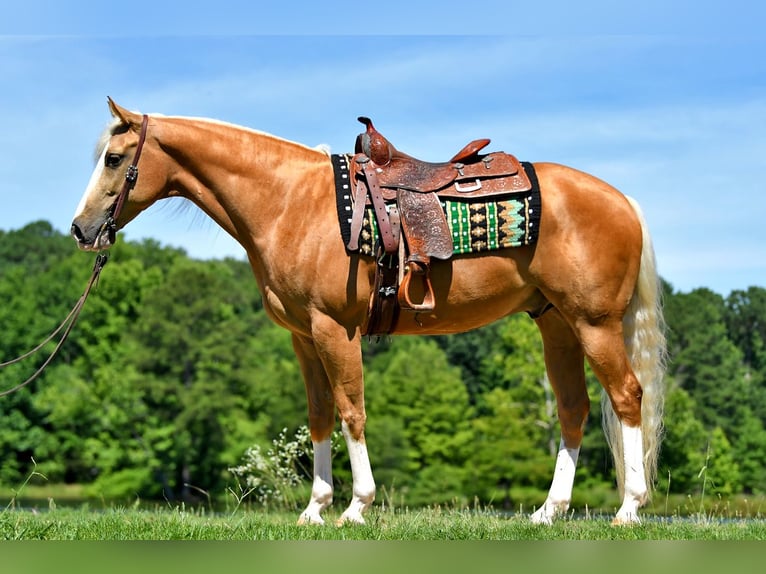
[[177, 523], [61, 512], [142, 539]]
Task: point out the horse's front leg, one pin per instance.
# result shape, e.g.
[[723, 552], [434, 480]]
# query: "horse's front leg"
[[341, 356], [335, 377], [321, 407]]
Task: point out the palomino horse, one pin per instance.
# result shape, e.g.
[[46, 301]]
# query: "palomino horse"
[[592, 267]]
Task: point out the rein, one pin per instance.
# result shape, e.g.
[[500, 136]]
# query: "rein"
[[110, 225], [66, 325]]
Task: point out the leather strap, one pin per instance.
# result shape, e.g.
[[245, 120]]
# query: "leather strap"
[[67, 325], [383, 310], [131, 176], [384, 225], [357, 216]]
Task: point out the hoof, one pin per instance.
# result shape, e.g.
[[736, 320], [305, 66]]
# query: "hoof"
[[541, 517], [626, 520], [307, 519], [549, 511], [350, 518]]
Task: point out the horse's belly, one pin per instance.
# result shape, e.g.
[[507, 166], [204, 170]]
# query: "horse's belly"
[[471, 292]]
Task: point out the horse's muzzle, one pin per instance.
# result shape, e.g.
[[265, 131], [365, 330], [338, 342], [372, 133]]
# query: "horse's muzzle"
[[95, 239]]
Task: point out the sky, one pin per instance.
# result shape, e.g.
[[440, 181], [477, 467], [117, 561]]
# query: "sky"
[[664, 100]]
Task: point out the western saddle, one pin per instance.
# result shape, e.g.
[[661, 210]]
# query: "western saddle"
[[406, 195]]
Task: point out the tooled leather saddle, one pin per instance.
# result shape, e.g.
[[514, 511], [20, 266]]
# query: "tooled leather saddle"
[[406, 195]]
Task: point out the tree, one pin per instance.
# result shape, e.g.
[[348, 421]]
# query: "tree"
[[89, 398], [703, 360], [416, 397], [722, 470], [516, 364], [36, 247], [746, 324], [684, 445], [37, 290], [517, 431], [506, 453], [746, 327], [749, 446], [191, 345], [728, 396], [469, 351]]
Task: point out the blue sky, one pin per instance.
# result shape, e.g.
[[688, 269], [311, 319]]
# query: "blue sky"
[[666, 102]]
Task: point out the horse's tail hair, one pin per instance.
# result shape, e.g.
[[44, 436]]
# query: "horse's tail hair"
[[644, 332]]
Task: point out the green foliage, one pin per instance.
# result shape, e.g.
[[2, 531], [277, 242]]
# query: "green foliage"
[[174, 371], [718, 425], [721, 469], [702, 357], [469, 351], [746, 324], [684, 445], [507, 451], [414, 393], [750, 454], [119, 484]]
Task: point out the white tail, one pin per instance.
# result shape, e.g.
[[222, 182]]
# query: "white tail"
[[644, 332]]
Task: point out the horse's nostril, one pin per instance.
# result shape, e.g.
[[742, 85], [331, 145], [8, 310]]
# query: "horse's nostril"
[[76, 233]]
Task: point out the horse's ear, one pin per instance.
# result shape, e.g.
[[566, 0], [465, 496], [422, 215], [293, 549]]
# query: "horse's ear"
[[125, 116]]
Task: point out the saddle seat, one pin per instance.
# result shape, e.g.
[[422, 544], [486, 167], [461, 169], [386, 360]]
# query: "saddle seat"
[[397, 169], [406, 195], [466, 175]]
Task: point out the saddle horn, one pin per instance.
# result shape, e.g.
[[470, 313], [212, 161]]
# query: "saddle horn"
[[372, 144]]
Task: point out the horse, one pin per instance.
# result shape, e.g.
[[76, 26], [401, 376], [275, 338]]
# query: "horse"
[[592, 270]]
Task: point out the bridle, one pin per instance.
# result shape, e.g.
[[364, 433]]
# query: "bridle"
[[131, 176], [110, 225]]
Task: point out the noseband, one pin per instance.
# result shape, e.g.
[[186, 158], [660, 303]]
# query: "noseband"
[[130, 182]]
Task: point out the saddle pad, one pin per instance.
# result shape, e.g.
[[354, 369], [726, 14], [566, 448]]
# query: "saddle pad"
[[476, 226]]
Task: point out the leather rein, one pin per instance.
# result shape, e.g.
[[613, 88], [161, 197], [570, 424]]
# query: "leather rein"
[[110, 225]]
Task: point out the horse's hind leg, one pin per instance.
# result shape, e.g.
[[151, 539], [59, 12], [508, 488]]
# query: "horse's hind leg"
[[605, 349], [321, 407], [564, 361]]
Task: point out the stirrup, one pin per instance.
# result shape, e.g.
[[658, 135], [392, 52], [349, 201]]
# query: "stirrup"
[[420, 269]]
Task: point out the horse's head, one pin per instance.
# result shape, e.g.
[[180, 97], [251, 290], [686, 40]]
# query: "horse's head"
[[115, 195]]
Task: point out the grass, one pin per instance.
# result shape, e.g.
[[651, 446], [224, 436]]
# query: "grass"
[[120, 523], [32, 513], [126, 540]]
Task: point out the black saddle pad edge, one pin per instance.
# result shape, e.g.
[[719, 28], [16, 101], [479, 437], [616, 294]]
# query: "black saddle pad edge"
[[535, 203], [343, 192]]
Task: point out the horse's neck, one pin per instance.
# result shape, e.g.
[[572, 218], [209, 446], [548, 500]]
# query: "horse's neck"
[[243, 179]]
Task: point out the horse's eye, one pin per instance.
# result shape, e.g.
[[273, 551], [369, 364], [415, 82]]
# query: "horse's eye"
[[113, 160]]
